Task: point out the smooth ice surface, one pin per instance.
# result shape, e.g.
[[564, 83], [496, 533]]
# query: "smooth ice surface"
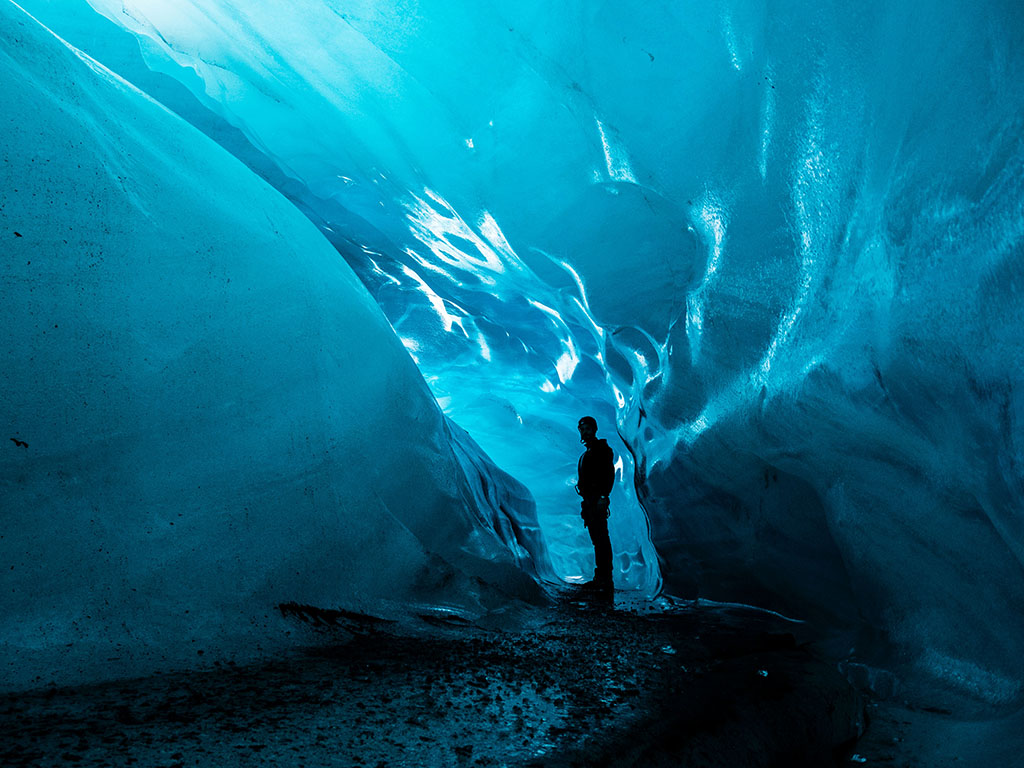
[[778, 246], [207, 414]]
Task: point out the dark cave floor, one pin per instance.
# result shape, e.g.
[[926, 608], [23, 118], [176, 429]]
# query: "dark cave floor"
[[589, 685]]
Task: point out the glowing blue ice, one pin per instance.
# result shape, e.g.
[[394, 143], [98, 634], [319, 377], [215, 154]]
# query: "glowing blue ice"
[[777, 250]]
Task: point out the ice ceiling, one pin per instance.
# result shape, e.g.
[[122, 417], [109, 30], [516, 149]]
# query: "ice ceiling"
[[776, 249]]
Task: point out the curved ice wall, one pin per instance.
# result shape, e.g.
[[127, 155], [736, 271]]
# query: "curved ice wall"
[[505, 339], [786, 238], [207, 414]]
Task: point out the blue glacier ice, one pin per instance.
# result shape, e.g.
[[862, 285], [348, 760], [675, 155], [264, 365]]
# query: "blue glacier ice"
[[775, 249], [209, 414]]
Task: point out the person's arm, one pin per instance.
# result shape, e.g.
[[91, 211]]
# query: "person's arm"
[[607, 471]]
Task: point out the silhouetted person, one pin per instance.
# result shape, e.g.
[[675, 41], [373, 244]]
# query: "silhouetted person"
[[596, 472]]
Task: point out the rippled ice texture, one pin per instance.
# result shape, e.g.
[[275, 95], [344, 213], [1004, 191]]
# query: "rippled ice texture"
[[779, 246]]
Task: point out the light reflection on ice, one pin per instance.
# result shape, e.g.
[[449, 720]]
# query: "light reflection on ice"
[[447, 319], [730, 41], [485, 351], [566, 364], [767, 122], [489, 228], [811, 178], [434, 227], [713, 220], [546, 309], [620, 399], [615, 157]]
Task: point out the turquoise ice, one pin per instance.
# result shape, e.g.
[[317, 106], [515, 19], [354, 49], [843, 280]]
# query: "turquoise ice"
[[775, 250]]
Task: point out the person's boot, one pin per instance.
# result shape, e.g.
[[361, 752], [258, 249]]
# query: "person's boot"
[[600, 583]]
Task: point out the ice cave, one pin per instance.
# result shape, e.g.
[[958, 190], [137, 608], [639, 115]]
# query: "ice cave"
[[301, 304]]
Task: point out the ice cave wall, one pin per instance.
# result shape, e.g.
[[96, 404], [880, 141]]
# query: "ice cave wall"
[[779, 244], [513, 358], [207, 414]]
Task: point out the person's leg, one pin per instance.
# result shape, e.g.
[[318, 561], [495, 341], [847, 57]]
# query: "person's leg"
[[598, 529]]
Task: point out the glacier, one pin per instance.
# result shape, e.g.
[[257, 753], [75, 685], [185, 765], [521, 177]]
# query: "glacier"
[[200, 392], [774, 249]]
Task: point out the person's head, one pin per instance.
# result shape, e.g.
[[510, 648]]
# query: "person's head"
[[588, 428]]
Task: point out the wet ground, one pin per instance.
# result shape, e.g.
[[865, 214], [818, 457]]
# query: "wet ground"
[[589, 684], [939, 729]]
